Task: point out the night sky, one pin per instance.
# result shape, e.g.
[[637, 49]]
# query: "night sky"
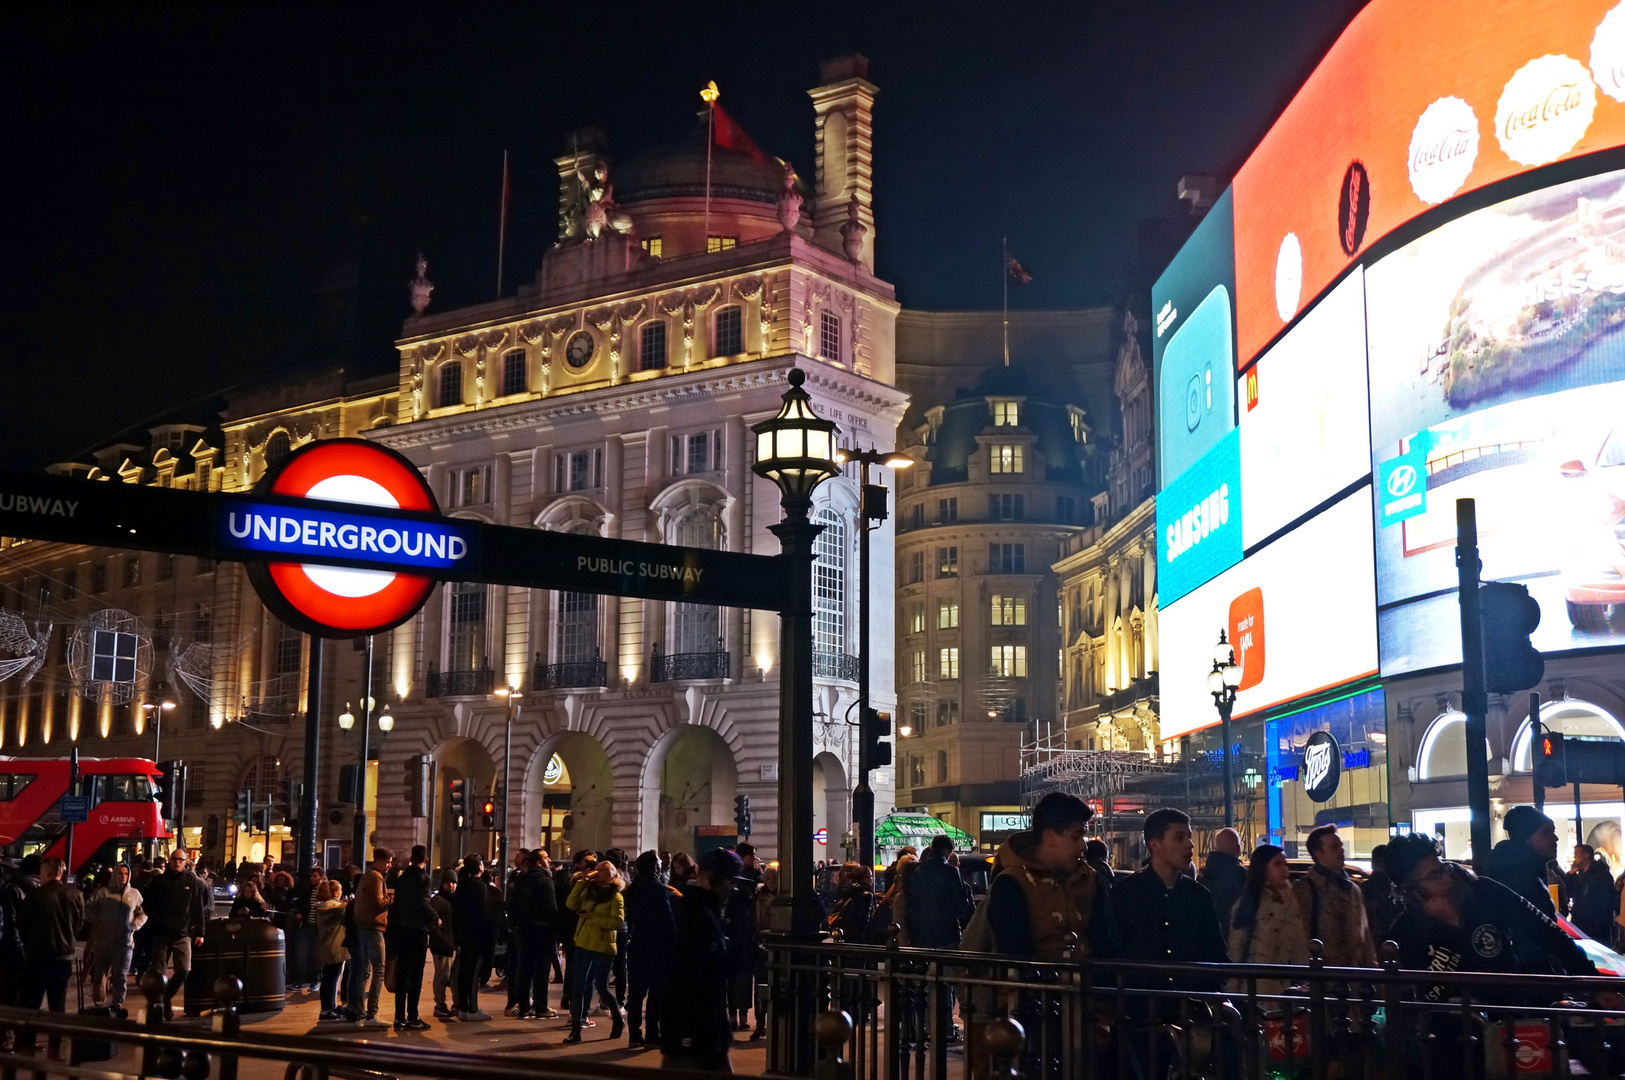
[[185, 179]]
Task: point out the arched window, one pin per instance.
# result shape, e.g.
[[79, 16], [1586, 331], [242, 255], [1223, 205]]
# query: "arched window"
[[263, 777], [1567, 718], [829, 583], [1444, 748], [465, 637], [451, 383], [696, 627], [515, 378], [652, 346], [729, 338], [277, 447]]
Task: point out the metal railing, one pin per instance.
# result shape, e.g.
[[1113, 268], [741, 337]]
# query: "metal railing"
[[1126, 1020], [594, 672], [675, 667], [835, 665], [477, 683]]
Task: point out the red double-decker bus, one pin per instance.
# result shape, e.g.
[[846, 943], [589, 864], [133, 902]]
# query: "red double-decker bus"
[[124, 809]]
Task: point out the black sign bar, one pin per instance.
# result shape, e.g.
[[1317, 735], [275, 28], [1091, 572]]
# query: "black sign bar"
[[135, 516]]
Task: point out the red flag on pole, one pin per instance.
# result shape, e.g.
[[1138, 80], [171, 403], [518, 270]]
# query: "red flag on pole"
[[728, 135]]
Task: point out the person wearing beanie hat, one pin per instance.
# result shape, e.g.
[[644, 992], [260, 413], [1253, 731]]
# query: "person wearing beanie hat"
[[1519, 862], [694, 1028]]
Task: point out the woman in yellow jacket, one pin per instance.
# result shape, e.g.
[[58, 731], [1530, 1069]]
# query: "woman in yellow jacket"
[[600, 909]]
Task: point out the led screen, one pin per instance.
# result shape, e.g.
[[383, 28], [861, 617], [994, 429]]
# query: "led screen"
[[1305, 432], [1199, 522], [1497, 354], [1415, 104], [1301, 613]]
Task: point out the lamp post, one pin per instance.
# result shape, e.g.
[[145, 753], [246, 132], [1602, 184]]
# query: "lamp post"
[[1222, 682], [872, 511], [155, 715], [386, 724], [513, 695]]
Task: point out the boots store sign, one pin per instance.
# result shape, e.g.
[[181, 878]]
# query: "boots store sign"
[[1322, 766], [344, 538]]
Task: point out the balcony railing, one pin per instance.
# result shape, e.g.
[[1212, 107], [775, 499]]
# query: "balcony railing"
[[835, 665], [594, 672], [676, 667], [477, 683]]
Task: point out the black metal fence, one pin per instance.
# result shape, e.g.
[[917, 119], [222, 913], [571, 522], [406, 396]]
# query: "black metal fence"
[[674, 667], [835, 665], [477, 683], [920, 1014], [581, 673]]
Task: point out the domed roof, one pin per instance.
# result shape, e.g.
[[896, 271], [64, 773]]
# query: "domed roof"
[[679, 171]]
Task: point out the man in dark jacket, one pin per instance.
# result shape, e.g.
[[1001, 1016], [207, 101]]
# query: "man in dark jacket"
[[694, 1028], [177, 907], [651, 929], [1162, 913], [1519, 862], [410, 920], [475, 933], [937, 909], [1223, 875], [13, 958], [533, 916], [1594, 898], [51, 919]]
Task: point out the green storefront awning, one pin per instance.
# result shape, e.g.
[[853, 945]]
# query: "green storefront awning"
[[918, 830]]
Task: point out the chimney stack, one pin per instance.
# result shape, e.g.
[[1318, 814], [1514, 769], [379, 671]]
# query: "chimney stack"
[[843, 107]]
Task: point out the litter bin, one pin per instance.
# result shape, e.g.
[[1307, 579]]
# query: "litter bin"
[[254, 950]]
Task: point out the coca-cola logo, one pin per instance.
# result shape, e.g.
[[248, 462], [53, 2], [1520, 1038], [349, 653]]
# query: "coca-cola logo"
[[1545, 109], [1353, 207], [1608, 54], [1444, 146]]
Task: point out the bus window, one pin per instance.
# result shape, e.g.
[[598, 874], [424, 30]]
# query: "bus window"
[[126, 788], [12, 784]]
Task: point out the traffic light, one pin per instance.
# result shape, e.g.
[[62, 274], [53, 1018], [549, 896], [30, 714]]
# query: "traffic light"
[[876, 726], [211, 830], [488, 813], [169, 790], [459, 802], [1551, 762], [742, 814], [417, 785], [874, 502], [293, 797], [245, 806], [1509, 615], [350, 783]]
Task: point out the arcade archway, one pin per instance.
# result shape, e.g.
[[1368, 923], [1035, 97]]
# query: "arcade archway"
[[569, 797], [466, 760], [698, 779], [831, 807]]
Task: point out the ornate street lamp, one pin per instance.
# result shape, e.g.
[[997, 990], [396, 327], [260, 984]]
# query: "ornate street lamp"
[[1222, 682], [386, 724], [796, 450]]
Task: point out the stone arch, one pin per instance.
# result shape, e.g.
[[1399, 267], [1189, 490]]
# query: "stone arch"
[[577, 811], [1443, 751], [831, 804], [575, 513], [694, 787], [682, 497], [469, 760]]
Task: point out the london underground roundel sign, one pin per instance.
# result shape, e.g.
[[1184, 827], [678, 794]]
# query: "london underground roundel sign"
[[343, 601]]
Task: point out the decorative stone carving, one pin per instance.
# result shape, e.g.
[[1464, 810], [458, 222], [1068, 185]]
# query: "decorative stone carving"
[[467, 345], [532, 332], [765, 313], [789, 202], [853, 231], [420, 287]]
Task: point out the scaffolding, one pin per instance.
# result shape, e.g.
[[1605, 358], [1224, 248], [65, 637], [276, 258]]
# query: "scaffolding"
[[1049, 763]]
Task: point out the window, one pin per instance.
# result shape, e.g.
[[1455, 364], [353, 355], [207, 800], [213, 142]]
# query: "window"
[[916, 516], [203, 624], [98, 578], [166, 567], [277, 447], [651, 244], [917, 715], [121, 720], [205, 566], [132, 571], [162, 631], [1006, 414], [947, 562], [916, 618], [916, 667], [70, 583], [578, 628], [285, 656], [916, 567], [1004, 458], [1007, 558], [714, 244], [947, 511], [465, 641], [729, 338], [697, 627], [515, 374], [652, 346], [829, 336], [112, 656], [1006, 507], [947, 614], [942, 766], [451, 383], [948, 662], [829, 583], [1009, 661], [471, 487], [1009, 610], [696, 452], [578, 470], [1066, 510], [1080, 430], [916, 772], [947, 713]]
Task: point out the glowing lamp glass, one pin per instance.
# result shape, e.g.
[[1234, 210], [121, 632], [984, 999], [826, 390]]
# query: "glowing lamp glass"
[[1215, 682]]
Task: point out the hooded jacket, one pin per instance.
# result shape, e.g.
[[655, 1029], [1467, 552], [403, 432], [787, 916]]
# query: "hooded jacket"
[[1517, 866], [1035, 908], [600, 914], [937, 907]]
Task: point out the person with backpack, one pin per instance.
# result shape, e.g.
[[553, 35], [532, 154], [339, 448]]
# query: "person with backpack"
[[694, 1028], [112, 916], [854, 904], [1333, 906], [1266, 923], [533, 914], [475, 934]]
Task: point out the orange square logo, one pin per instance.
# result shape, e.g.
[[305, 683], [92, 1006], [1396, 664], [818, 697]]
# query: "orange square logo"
[[1247, 636]]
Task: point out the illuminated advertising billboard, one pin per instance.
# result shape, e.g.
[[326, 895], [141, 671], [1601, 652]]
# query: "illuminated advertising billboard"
[[1497, 355], [1305, 432], [1300, 612], [1192, 345], [1199, 522]]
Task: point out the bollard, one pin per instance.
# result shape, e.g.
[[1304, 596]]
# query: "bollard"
[[195, 1065], [228, 991], [152, 986], [1004, 1039], [831, 1030], [1317, 1010]]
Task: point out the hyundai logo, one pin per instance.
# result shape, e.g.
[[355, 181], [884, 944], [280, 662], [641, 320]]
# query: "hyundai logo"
[[1401, 480]]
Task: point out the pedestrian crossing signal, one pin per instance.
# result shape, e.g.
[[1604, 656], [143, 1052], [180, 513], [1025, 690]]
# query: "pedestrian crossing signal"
[[488, 813]]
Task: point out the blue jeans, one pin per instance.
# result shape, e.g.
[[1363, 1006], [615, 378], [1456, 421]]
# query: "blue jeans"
[[592, 969], [367, 958]]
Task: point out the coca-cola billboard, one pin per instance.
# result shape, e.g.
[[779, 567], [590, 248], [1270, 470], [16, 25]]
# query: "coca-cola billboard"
[[1544, 109], [1444, 145]]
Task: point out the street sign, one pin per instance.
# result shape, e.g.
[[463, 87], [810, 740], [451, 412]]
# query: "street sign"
[[75, 809], [822, 837]]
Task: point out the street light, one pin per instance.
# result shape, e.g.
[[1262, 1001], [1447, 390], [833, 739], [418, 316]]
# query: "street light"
[[513, 695], [386, 724], [1222, 682], [873, 511], [155, 713], [796, 450]]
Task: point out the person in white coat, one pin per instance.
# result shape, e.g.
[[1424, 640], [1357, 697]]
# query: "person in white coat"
[[112, 917], [1267, 924]]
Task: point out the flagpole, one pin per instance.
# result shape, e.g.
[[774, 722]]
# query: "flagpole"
[[1004, 267], [502, 223], [710, 137]]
